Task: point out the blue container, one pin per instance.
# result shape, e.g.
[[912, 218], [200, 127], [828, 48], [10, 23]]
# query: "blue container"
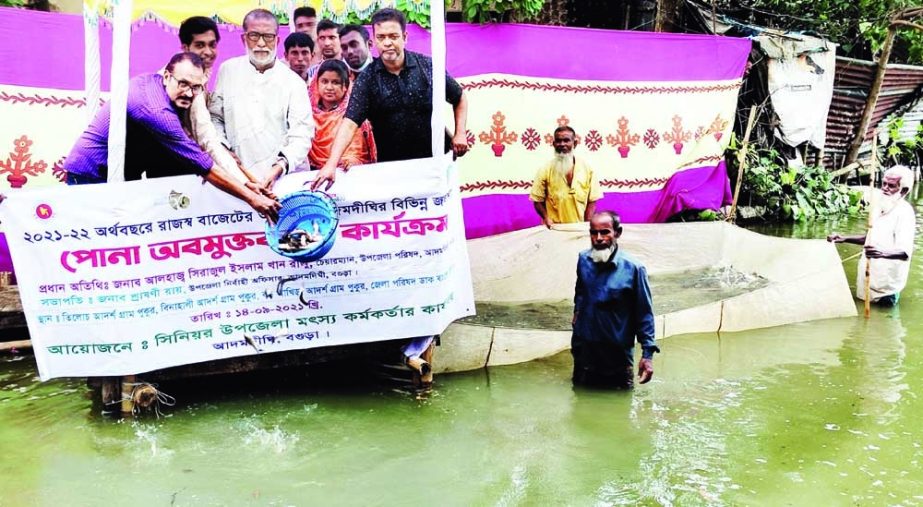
[[303, 210]]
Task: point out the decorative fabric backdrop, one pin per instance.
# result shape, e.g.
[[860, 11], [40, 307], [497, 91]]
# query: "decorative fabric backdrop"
[[652, 111]]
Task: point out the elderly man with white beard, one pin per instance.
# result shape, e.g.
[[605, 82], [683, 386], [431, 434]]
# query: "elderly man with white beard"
[[260, 107], [565, 190], [889, 242], [612, 308]]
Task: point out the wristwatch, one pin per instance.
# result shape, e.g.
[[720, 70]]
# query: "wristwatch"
[[284, 163]]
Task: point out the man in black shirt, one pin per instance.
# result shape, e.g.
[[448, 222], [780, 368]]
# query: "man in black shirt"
[[395, 94]]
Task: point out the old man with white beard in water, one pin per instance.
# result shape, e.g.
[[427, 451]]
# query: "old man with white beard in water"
[[566, 189], [889, 242], [613, 308]]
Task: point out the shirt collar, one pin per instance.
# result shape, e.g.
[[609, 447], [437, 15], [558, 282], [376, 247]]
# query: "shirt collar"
[[364, 65], [275, 66], [410, 61], [616, 256]]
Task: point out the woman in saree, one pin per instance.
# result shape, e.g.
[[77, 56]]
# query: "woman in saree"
[[329, 92]]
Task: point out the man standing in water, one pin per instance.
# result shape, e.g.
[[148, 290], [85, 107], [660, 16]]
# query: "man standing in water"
[[889, 243], [612, 308]]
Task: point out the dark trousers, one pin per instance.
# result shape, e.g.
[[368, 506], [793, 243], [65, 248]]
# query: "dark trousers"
[[887, 301], [80, 179], [601, 365]]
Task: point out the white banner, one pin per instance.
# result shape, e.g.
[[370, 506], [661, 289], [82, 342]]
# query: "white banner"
[[124, 278]]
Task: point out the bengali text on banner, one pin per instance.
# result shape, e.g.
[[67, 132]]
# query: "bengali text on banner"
[[118, 279]]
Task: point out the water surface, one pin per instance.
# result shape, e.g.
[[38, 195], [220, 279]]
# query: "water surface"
[[822, 413]]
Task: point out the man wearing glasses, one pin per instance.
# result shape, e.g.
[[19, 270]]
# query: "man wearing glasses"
[[260, 108], [156, 143]]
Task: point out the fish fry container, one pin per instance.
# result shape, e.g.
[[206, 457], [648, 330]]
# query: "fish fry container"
[[300, 210]]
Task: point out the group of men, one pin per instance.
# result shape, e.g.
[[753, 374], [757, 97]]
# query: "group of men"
[[329, 105], [313, 43], [322, 109], [612, 302]]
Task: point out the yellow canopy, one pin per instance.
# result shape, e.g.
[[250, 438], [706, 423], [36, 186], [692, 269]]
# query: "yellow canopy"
[[232, 11]]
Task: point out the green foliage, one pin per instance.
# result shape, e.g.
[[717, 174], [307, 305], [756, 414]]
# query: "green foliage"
[[419, 18], [790, 192], [857, 26], [708, 215], [413, 16], [695, 215], [475, 11], [482, 11], [903, 151], [13, 3]]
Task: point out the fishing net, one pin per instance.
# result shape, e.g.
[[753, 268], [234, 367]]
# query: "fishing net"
[[705, 277]]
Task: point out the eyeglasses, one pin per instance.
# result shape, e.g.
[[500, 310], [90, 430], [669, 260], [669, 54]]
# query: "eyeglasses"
[[185, 86], [268, 38]]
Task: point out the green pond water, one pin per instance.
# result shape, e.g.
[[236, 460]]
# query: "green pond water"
[[822, 413]]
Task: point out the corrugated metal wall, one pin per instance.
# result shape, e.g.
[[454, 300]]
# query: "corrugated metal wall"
[[853, 79]]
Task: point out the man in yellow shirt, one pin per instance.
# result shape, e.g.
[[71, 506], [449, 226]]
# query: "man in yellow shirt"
[[565, 190]]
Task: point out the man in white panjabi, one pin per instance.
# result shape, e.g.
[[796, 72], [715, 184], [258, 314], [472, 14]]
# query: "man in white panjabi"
[[200, 35], [890, 240], [260, 107]]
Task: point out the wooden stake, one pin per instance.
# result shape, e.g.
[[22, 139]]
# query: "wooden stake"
[[128, 404], [714, 19], [741, 163], [868, 234]]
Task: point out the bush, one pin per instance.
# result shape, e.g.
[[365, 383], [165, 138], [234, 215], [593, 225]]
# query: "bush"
[[907, 152], [791, 192]]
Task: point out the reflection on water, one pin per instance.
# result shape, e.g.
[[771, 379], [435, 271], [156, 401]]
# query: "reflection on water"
[[821, 413]]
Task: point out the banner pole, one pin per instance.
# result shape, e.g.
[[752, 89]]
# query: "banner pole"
[[871, 219], [121, 46], [438, 46], [742, 164], [91, 65]]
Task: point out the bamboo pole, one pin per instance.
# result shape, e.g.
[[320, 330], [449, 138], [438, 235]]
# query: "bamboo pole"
[[128, 402], [714, 18], [855, 166], [741, 163], [868, 233]]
